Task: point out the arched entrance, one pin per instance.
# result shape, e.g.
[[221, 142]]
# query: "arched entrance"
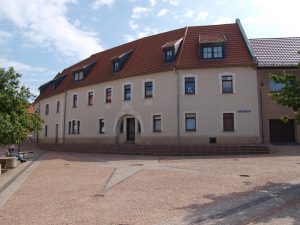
[[128, 129]]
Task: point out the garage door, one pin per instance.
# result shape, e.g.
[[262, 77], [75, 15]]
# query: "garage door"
[[282, 132]]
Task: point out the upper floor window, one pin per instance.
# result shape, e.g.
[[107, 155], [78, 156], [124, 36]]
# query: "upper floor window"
[[116, 66], [47, 109], [156, 123], [75, 100], [190, 121], [57, 106], [78, 76], [228, 122], [148, 89], [189, 85], [169, 55], [275, 87], [127, 92], [90, 97], [108, 95], [227, 84], [212, 51]]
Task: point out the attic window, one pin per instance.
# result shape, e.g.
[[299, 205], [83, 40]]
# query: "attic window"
[[119, 61], [212, 51], [170, 50], [78, 76]]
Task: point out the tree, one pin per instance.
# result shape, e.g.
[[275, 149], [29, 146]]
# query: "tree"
[[290, 94], [15, 120]]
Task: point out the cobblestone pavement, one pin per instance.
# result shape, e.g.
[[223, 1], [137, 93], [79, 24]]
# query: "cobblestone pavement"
[[81, 188]]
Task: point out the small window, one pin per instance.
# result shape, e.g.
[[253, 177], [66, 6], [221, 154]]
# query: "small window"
[[127, 92], [157, 123], [101, 126], [74, 101], [47, 109], [169, 55], [108, 95], [228, 122], [78, 76], [207, 53], [90, 97], [189, 85], [275, 87], [148, 89], [190, 121], [46, 130], [227, 84], [212, 51], [57, 106], [116, 66], [78, 127], [70, 127], [74, 127], [218, 52]]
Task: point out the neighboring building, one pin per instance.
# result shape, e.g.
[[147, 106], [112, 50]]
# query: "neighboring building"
[[274, 56], [194, 85]]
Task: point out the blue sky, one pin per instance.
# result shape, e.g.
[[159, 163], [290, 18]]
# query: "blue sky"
[[42, 37]]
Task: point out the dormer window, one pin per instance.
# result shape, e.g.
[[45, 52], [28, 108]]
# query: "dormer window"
[[119, 61], [78, 76], [170, 50], [212, 51], [81, 72]]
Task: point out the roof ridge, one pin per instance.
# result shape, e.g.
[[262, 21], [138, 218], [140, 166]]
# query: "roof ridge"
[[181, 50], [274, 38]]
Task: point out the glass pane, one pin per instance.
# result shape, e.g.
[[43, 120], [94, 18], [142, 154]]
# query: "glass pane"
[[191, 124], [227, 87], [189, 85], [275, 87], [157, 125]]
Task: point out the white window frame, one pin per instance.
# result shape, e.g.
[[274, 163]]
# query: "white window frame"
[[87, 94], [73, 100], [161, 122], [112, 91], [58, 100], [233, 82], [98, 123], [234, 121], [131, 91], [153, 88], [184, 125], [47, 114], [183, 84]]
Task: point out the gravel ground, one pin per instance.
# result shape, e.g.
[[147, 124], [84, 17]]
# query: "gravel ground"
[[79, 188]]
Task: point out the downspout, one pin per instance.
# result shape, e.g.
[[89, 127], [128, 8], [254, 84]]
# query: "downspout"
[[64, 122], [261, 85], [38, 133], [178, 106]]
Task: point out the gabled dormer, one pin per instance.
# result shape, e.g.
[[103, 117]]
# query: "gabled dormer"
[[119, 61], [80, 73], [212, 46], [53, 83], [170, 50]]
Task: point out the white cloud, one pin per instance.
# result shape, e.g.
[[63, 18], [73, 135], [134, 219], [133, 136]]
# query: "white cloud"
[[224, 20], [4, 35], [201, 16], [153, 3], [45, 24], [147, 31], [172, 2], [128, 37], [138, 12], [20, 67], [162, 12], [133, 25], [98, 3], [189, 13]]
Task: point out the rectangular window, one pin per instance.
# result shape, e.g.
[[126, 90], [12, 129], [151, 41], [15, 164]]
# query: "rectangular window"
[[169, 55], [74, 101], [70, 127], [227, 84], [47, 109], [90, 97], [122, 127], [101, 126], [116, 66], [46, 130], [74, 127], [127, 92], [275, 87], [189, 85], [57, 106], [78, 76], [108, 95], [190, 121], [228, 122], [78, 127], [212, 51], [157, 123], [148, 89]]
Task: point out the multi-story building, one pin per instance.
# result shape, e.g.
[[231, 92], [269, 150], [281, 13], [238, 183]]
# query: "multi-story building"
[[275, 56], [195, 85]]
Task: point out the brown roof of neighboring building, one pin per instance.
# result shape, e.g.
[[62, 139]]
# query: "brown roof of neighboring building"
[[147, 56], [276, 52]]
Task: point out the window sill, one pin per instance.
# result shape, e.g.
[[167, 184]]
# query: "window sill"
[[228, 131], [190, 93], [157, 131], [190, 131], [101, 132], [148, 98]]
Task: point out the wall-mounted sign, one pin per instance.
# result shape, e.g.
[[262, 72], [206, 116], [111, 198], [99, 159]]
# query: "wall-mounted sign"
[[244, 111]]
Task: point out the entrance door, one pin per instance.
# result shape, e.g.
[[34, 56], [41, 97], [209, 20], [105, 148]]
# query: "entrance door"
[[130, 129], [56, 133], [281, 132]]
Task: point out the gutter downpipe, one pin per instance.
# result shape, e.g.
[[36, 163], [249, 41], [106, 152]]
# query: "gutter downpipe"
[[178, 105], [64, 122], [261, 85]]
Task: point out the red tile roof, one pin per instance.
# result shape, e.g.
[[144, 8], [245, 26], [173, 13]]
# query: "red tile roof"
[[147, 56]]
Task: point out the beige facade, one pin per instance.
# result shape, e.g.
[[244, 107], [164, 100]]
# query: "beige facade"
[[271, 110], [169, 101]]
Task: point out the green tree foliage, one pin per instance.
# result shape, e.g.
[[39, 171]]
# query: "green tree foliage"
[[15, 120], [290, 94]]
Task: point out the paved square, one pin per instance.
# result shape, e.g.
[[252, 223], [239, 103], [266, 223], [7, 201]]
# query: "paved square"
[[81, 188]]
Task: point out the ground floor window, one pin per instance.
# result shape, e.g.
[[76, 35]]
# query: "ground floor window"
[[101, 126], [156, 123], [74, 127], [46, 130], [190, 121], [228, 122]]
